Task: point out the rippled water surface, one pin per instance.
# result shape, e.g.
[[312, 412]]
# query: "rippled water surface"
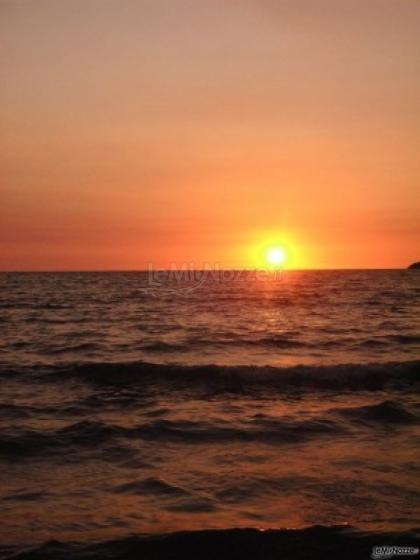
[[224, 318], [132, 404]]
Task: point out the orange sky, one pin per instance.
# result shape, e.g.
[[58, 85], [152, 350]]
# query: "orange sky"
[[137, 132]]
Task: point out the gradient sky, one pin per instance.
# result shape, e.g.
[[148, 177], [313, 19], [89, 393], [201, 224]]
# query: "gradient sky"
[[137, 132]]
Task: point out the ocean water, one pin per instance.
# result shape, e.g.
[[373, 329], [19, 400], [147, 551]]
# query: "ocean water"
[[201, 404]]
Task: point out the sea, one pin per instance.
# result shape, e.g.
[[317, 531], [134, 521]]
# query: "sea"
[[209, 414]]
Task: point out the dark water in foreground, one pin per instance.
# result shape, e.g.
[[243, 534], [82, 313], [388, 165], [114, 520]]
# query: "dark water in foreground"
[[138, 405]]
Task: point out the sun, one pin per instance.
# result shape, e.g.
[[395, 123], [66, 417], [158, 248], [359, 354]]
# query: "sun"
[[276, 256], [272, 252]]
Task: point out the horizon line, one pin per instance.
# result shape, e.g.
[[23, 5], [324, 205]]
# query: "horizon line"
[[163, 269]]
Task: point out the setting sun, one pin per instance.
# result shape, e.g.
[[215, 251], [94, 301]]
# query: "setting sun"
[[276, 256], [276, 250]]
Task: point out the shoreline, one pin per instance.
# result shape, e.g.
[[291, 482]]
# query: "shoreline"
[[314, 542]]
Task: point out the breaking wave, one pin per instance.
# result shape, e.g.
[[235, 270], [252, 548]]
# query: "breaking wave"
[[374, 376]]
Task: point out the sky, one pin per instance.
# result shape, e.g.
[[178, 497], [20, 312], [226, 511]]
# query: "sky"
[[165, 133]]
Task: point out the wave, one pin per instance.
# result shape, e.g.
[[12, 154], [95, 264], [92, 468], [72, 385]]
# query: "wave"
[[278, 341], [387, 340], [271, 430], [316, 542], [81, 341], [82, 347], [90, 435], [374, 376], [26, 442], [386, 412], [275, 341], [404, 338], [152, 486]]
